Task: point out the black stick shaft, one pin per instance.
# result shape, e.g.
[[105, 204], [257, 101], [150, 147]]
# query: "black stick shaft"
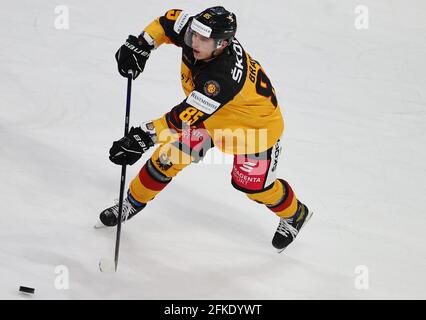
[[123, 173]]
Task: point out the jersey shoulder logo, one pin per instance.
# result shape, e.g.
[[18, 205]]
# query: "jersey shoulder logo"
[[211, 88]]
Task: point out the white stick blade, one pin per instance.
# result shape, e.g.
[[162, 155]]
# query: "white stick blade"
[[99, 225], [106, 265]]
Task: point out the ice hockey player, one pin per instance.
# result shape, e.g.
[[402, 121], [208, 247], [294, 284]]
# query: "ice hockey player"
[[230, 104]]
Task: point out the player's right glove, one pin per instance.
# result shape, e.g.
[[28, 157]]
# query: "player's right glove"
[[130, 148], [133, 55]]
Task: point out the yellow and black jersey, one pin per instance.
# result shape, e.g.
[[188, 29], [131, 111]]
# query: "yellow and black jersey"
[[230, 96]]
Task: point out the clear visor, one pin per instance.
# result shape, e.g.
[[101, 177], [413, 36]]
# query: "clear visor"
[[200, 42]]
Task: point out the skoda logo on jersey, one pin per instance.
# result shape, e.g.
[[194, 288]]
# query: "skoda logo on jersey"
[[237, 71], [211, 88]]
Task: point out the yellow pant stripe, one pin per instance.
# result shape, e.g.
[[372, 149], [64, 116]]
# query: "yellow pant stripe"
[[144, 194], [140, 192], [273, 196], [289, 211], [270, 196]]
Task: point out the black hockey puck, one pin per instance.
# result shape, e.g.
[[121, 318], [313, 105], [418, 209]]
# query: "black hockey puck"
[[26, 289]]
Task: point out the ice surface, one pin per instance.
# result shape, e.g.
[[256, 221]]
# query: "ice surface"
[[354, 103]]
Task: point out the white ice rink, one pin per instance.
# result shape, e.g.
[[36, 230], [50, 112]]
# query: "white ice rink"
[[354, 102]]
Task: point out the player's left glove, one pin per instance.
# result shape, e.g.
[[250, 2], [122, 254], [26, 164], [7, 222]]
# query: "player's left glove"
[[130, 148]]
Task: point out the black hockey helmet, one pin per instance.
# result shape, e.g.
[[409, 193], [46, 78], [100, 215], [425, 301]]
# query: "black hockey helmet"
[[223, 23]]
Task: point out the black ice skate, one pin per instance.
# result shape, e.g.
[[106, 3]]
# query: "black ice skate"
[[289, 228], [109, 217]]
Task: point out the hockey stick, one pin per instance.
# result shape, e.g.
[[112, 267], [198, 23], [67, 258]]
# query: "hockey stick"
[[105, 265]]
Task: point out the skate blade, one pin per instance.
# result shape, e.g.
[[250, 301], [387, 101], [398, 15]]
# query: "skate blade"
[[99, 225]]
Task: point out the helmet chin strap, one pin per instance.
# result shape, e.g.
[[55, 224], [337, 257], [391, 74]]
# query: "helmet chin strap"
[[214, 52]]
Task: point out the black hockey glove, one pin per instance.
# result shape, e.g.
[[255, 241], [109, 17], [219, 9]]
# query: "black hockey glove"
[[132, 56], [130, 148]]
